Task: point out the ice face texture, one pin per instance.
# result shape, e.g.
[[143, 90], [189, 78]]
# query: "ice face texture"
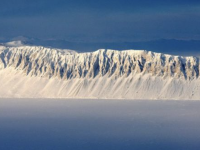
[[131, 74], [69, 64]]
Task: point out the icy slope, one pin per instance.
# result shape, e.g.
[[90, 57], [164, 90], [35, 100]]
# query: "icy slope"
[[29, 71]]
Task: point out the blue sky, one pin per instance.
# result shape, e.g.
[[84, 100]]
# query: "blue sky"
[[102, 20]]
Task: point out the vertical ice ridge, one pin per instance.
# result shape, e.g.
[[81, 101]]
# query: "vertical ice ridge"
[[47, 62]]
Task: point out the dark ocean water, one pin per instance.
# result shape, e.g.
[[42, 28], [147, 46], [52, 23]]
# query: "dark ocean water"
[[54, 124]]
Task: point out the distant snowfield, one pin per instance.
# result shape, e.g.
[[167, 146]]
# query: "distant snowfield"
[[38, 72]]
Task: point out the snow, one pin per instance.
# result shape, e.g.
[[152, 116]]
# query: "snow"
[[14, 44], [36, 71]]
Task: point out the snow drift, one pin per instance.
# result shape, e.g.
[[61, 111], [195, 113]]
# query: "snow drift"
[[35, 71]]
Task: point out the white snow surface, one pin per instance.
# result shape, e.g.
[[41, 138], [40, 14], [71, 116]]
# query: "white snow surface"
[[14, 44], [39, 72]]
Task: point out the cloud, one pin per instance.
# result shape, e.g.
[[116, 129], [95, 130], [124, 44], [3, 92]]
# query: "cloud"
[[43, 7], [114, 20]]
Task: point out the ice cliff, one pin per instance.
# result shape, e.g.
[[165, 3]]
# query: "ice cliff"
[[135, 74]]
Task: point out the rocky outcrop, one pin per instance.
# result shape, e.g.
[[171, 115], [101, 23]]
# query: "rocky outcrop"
[[36, 72], [64, 64]]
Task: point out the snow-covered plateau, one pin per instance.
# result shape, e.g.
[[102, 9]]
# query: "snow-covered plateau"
[[39, 72]]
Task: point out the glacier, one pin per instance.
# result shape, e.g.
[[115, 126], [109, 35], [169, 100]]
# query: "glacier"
[[41, 72]]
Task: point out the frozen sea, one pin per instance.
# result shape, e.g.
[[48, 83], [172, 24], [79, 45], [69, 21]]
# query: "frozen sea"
[[60, 124]]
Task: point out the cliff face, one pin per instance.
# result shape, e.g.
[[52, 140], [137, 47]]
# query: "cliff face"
[[29, 71], [40, 61]]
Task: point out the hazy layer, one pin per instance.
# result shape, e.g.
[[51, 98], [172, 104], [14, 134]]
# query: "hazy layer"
[[49, 124]]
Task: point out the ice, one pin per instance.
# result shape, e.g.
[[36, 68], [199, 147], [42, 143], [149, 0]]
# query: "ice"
[[40, 72]]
